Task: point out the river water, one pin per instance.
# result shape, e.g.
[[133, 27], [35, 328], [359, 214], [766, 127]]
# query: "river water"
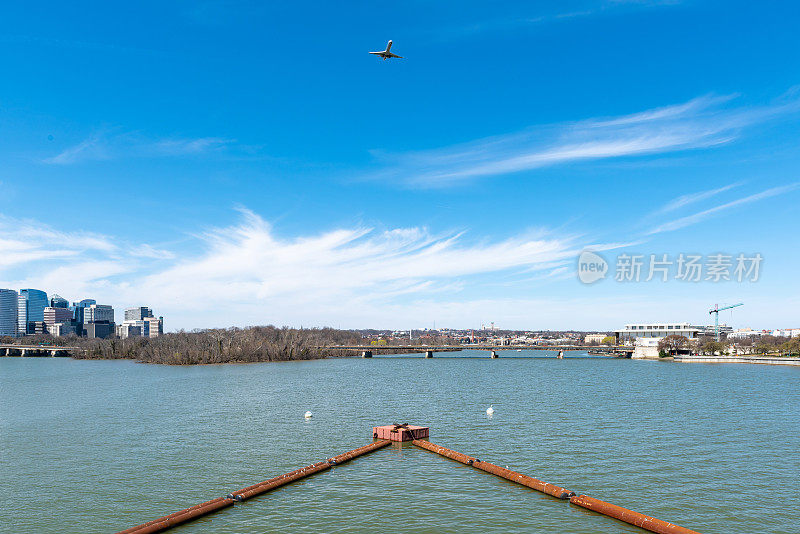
[[98, 446]]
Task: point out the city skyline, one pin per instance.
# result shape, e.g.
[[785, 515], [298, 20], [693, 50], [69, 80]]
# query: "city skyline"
[[211, 163]]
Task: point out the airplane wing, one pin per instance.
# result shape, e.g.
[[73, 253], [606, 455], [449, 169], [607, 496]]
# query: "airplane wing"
[[389, 54], [377, 53]]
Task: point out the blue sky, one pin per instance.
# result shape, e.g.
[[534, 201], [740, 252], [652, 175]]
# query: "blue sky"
[[237, 163]]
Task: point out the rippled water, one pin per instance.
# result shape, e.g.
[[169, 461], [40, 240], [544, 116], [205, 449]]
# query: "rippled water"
[[98, 446]]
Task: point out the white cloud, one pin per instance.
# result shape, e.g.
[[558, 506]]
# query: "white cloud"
[[107, 145], [705, 214], [92, 148], [699, 123], [693, 198], [27, 241], [351, 277], [249, 263], [247, 274]]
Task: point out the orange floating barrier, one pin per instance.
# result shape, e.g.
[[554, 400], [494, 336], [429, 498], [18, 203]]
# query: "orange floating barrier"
[[513, 476], [629, 516], [163, 523], [193, 512], [297, 474]]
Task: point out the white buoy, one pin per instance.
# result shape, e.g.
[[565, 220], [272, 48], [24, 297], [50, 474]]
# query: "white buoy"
[[490, 410], [309, 415]]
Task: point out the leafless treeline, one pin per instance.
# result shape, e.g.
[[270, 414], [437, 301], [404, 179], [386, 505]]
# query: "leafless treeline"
[[252, 344]]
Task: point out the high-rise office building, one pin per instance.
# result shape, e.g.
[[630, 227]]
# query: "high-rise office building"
[[8, 312], [77, 310], [30, 309], [138, 314], [57, 315], [96, 313], [57, 301]]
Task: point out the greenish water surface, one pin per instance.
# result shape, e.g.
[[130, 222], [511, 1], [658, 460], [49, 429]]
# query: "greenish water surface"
[[98, 446]]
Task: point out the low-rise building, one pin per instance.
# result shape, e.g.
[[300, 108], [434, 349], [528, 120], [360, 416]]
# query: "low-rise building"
[[61, 329], [744, 333], [146, 327], [129, 329], [594, 338], [99, 329], [155, 326], [633, 332]]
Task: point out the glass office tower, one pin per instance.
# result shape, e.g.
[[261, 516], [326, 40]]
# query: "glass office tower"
[[8, 312], [30, 308]]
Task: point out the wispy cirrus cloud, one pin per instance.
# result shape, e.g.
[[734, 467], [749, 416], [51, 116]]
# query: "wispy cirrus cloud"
[[247, 274], [703, 122], [24, 242], [523, 21], [106, 145], [249, 261], [698, 217], [693, 198]]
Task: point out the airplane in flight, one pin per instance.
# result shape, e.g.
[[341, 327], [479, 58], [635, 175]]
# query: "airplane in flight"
[[385, 54]]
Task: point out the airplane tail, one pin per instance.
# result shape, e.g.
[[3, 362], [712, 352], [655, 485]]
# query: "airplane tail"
[[389, 45]]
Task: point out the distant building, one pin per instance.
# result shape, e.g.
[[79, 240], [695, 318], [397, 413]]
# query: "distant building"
[[140, 322], [61, 329], [54, 315], [594, 338], [708, 330], [128, 329], [99, 329], [786, 332], [96, 313], [37, 328], [632, 332], [744, 333], [8, 312], [78, 309], [155, 326], [138, 314], [30, 309], [57, 301]]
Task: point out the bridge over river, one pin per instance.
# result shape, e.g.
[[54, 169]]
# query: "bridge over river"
[[494, 350], [37, 350]]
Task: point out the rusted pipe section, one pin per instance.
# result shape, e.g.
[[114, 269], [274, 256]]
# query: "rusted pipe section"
[[168, 521], [277, 482], [513, 476], [163, 523], [297, 474], [355, 453], [629, 516]]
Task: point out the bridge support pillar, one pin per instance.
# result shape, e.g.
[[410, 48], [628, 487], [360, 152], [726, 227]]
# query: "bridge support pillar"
[[429, 354], [54, 353], [366, 354], [494, 354], [23, 352]]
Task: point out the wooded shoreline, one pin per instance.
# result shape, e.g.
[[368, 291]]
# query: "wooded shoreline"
[[213, 346]]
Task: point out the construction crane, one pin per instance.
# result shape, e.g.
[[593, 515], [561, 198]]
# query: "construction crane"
[[715, 310]]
